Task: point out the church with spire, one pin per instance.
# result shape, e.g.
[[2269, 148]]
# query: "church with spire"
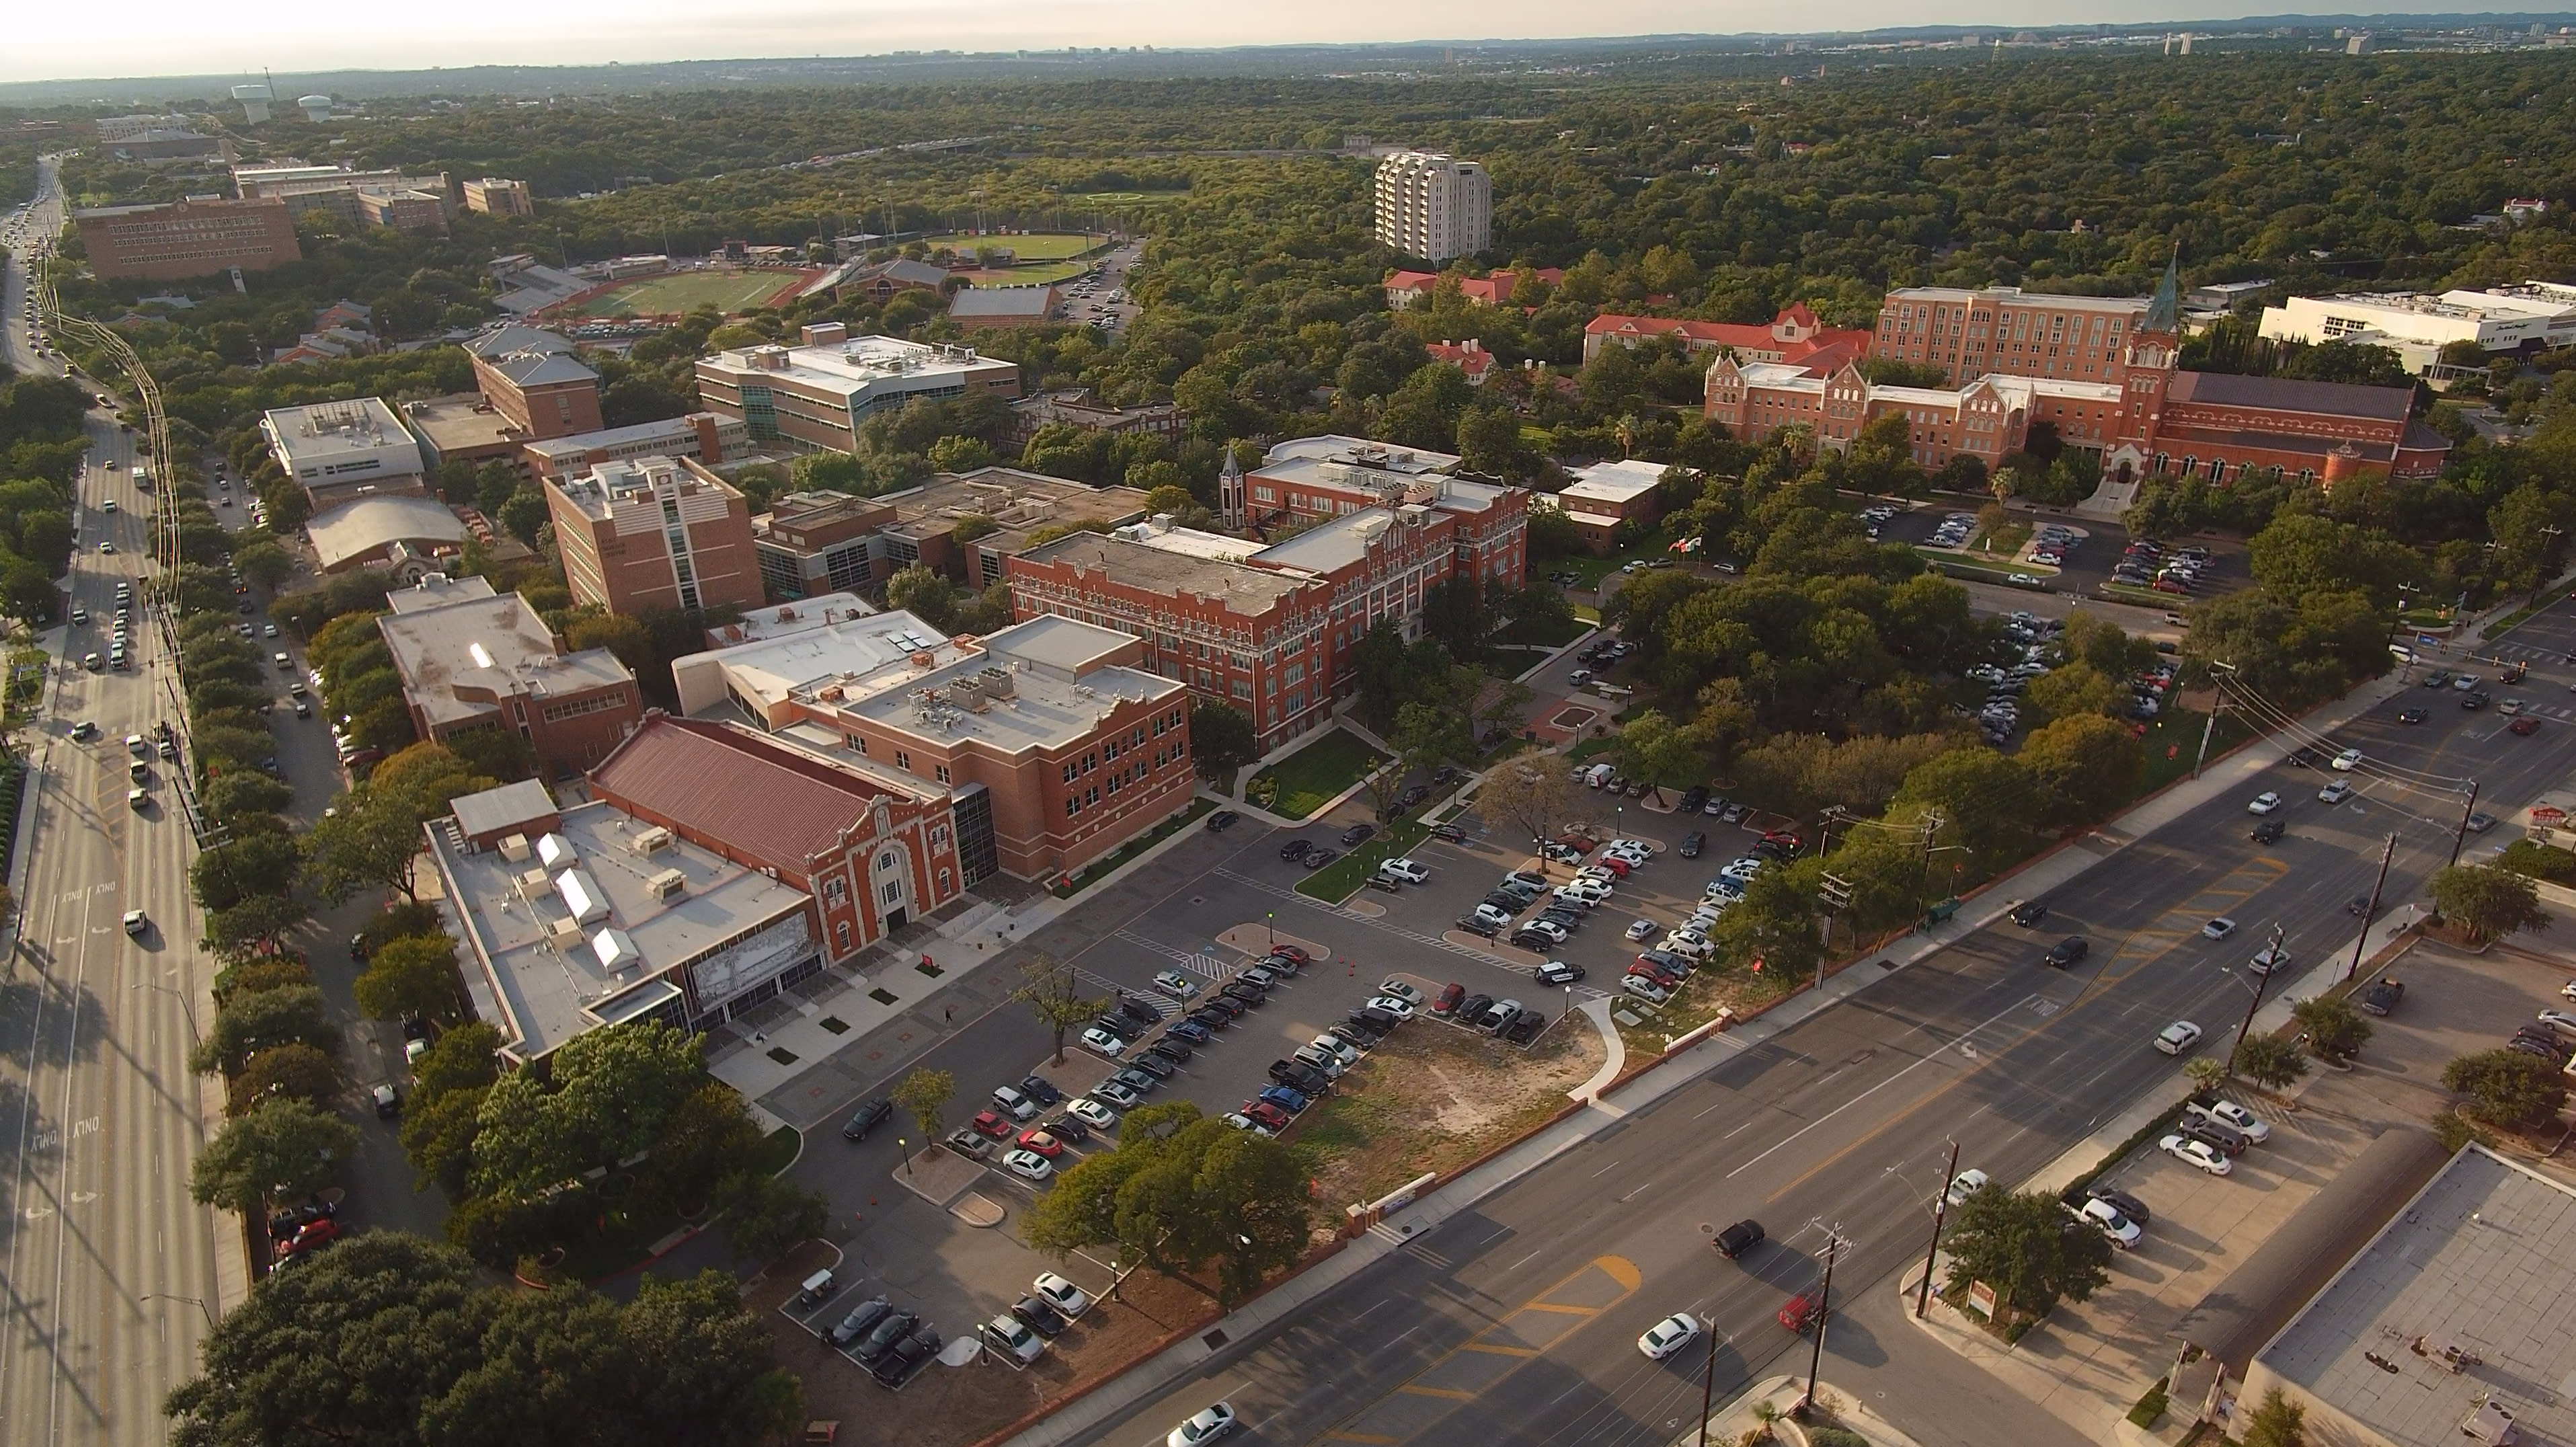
[[2103, 372]]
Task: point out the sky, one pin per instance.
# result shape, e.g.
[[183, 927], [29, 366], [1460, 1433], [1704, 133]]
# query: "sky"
[[54, 41]]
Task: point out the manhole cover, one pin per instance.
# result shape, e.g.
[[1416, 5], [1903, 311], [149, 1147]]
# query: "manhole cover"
[[1708, 1228]]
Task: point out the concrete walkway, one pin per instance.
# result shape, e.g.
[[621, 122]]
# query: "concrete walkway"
[[1768, 1402]]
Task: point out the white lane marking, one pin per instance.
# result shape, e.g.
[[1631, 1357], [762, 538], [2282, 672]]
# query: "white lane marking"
[[1866, 1094]]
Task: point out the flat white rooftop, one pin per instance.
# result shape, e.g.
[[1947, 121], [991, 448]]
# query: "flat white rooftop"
[[859, 367], [1614, 482], [853, 651]]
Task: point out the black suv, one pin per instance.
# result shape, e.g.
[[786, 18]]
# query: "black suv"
[[1694, 841], [1140, 1012], [2382, 995], [2268, 832], [2067, 951], [1294, 851], [2028, 913], [871, 1115], [1739, 1238]]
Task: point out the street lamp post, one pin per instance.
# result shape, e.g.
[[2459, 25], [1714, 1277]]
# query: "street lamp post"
[[186, 1009], [905, 1147], [196, 1302], [2210, 725]]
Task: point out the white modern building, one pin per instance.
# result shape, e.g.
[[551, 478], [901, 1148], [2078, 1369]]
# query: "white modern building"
[[2417, 325], [1434, 206], [339, 452]]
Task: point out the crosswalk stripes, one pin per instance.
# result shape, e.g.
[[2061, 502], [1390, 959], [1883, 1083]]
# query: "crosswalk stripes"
[[1164, 1008], [1155, 946]]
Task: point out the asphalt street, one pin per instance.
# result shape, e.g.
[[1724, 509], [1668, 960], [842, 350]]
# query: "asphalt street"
[[1516, 1321], [105, 1259]]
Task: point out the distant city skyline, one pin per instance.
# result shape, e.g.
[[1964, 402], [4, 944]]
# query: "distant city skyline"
[[163, 37]]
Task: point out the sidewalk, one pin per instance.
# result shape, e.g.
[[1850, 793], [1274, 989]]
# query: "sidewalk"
[[1770, 1399], [2052, 870]]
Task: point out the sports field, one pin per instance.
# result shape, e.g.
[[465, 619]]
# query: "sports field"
[[726, 291], [1034, 275], [1044, 246]]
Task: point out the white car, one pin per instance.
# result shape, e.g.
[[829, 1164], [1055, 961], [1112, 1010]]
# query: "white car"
[[1967, 1183], [1546, 929], [1599, 874], [1690, 944], [2178, 1037], [2558, 1020], [2264, 803], [1067, 1299], [1102, 1041], [1404, 869], [2346, 761], [2270, 958], [2335, 792], [2124, 1233], [1091, 1112], [1400, 990], [1644, 930], [1584, 892], [1245, 1122], [1742, 871], [1207, 1425], [136, 923], [1669, 1336], [2236, 1117], [1632, 854], [2196, 1153], [1337, 1047], [2218, 929], [1395, 1005]]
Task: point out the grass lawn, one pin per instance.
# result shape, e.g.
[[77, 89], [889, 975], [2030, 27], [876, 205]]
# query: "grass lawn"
[[1592, 570], [1035, 274], [1957, 565], [1093, 872], [727, 291], [2143, 597], [1309, 778], [2172, 741], [1044, 246], [2004, 542], [1347, 875], [1545, 634]]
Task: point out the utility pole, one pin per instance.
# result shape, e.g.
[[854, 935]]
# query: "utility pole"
[[2460, 836], [2210, 725], [1931, 826], [1940, 1213], [1836, 894], [2261, 979], [1708, 1385], [1824, 1316], [2372, 913]]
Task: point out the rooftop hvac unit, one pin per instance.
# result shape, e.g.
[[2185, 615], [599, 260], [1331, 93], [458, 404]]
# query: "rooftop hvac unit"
[[616, 950], [564, 934], [582, 895], [556, 852], [514, 848], [969, 692], [998, 682], [830, 693], [533, 884], [667, 883], [651, 841]]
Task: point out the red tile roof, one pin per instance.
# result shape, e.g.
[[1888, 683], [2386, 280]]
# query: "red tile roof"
[[724, 783]]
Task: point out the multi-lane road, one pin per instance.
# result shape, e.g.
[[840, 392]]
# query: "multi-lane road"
[[103, 1258], [1517, 1321]]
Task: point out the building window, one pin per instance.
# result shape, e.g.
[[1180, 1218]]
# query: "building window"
[[891, 891], [942, 771], [835, 893], [1070, 769], [1072, 805], [841, 935], [943, 884], [902, 760], [858, 744], [886, 860]]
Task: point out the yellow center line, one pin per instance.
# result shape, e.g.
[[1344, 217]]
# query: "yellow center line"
[[1449, 1393], [1500, 1351], [1369, 1437], [1560, 1309]]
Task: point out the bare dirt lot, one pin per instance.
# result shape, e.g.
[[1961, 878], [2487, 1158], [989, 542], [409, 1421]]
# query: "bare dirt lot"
[[1435, 1096], [945, 1406]]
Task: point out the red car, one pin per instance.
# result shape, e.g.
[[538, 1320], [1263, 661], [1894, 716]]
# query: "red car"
[[313, 1234], [1266, 1115], [1294, 953], [1613, 863], [987, 1123], [1786, 839], [2525, 726], [1446, 1003], [1799, 1314], [1042, 1143]]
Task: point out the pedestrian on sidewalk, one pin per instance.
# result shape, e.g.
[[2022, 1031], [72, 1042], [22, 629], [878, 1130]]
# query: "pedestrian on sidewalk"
[[947, 1016]]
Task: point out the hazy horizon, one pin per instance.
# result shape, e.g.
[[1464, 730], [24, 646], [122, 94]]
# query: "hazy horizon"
[[156, 38]]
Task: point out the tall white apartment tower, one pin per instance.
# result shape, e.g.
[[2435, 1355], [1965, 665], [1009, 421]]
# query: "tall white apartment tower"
[[1434, 206]]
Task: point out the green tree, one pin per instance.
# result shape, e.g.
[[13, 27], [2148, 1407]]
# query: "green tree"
[[369, 844], [1772, 930], [2085, 767], [298, 1072], [255, 864], [263, 1020], [2276, 1421], [1182, 1193], [2075, 689], [925, 593], [2269, 1061], [2335, 1030], [2486, 903], [280, 1148], [2507, 1089], [524, 515], [1053, 993], [1531, 797], [264, 564], [2029, 1248], [1222, 740], [923, 1094], [1653, 748], [254, 927], [414, 975], [1985, 802], [611, 1092], [762, 1215]]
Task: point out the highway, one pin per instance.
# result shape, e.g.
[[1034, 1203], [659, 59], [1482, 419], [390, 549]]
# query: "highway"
[[105, 1260], [1516, 1321]]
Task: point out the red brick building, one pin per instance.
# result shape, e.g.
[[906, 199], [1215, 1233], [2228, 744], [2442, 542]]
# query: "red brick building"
[[535, 380], [1795, 335], [183, 239], [654, 533], [1312, 478], [472, 659], [2101, 372], [872, 856]]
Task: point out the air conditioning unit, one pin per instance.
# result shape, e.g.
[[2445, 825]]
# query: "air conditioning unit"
[[651, 841], [533, 884], [514, 848], [565, 933], [667, 883]]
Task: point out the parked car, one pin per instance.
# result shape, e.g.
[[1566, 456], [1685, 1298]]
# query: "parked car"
[[2199, 1153], [2382, 996], [871, 1115], [1739, 1238], [2232, 1115]]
